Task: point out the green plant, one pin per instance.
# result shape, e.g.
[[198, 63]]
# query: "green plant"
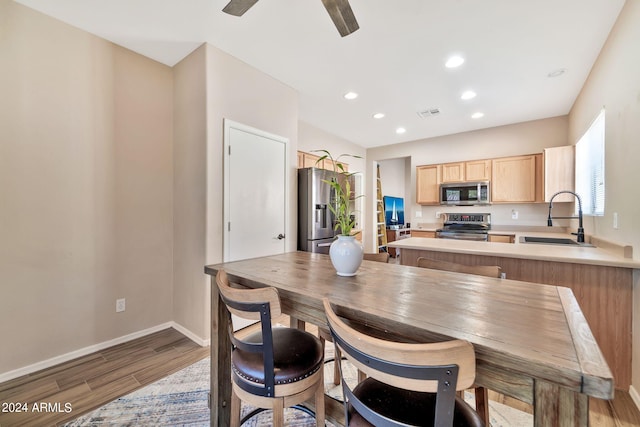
[[342, 190]]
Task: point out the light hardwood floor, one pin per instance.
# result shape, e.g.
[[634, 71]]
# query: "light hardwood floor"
[[91, 381]]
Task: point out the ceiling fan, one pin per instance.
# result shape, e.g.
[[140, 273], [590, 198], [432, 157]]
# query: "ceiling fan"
[[339, 11]]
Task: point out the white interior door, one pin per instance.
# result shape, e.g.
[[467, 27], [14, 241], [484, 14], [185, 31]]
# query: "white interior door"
[[256, 188]]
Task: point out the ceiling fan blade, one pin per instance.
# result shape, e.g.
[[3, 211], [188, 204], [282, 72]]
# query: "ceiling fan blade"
[[238, 7], [342, 16]]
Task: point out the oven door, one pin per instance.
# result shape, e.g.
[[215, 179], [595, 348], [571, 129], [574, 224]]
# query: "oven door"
[[463, 235]]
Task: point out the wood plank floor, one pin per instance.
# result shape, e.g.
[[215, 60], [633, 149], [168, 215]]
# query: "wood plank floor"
[[96, 379], [91, 381]]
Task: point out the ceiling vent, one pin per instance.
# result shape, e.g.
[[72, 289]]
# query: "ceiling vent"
[[428, 113]]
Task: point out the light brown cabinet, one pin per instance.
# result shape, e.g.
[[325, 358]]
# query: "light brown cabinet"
[[517, 179], [308, 160], [428, 184], [423, 233], [559, 166], [453, 172], [502, 238], [532, 178], [477, 170]]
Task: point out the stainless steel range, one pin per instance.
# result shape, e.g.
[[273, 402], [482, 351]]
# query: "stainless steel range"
[[465, 226]]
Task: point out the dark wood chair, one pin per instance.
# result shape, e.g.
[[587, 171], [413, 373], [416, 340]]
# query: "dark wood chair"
[[324, 332], [275, 367], [406, 384], [482, 394]]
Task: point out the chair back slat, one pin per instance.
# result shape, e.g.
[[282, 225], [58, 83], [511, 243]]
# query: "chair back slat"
[[379, 257], [479, 270], [249, 304], [453, 352], [258, 296], [440, 368]]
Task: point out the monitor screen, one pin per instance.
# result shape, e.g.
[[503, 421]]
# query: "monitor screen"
[[393, 211]]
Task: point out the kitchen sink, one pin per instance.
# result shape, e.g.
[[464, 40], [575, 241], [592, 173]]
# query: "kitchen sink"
[[552, 241]]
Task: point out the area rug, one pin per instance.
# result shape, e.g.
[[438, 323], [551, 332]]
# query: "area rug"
[[181, 400]]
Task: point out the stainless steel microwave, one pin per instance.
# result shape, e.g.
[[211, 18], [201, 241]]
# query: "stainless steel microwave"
[[465, 193]]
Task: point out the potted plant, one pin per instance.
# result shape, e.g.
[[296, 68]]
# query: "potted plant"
[[345, 252]]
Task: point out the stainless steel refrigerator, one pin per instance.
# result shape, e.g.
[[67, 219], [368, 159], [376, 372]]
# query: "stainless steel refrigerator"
[[315, 220]]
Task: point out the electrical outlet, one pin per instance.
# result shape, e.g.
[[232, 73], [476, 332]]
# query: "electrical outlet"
[[514, 214], [438, 215], [615, 220], [120, 305], [418, 214]]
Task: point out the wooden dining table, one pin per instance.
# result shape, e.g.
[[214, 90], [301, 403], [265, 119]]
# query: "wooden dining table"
[[532, 341]]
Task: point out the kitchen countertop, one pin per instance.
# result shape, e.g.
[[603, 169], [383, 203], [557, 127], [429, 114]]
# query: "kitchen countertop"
[[545, 252]]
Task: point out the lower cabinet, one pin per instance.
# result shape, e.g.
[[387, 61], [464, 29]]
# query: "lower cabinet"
[[502, 238], [423, 233]]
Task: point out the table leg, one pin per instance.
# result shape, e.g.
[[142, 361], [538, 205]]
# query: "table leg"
[[558, 406], [296, 323], [220, 360]]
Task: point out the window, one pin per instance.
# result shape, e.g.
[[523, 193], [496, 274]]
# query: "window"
[[590, 168]]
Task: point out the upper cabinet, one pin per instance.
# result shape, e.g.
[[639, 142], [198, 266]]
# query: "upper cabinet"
[[453, 172], [559, 172], [517, 179], [307, 160], [428, 184], [477, 170]]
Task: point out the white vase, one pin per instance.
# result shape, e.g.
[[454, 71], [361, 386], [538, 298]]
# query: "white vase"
[[346, 255]]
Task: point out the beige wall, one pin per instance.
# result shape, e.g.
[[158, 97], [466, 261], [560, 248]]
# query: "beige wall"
[[190, 300], [614, 83], [85, 189]]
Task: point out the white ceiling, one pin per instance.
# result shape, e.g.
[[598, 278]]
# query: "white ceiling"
[[395, 61]]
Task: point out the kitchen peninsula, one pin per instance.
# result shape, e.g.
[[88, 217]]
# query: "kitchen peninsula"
[[601, 280]]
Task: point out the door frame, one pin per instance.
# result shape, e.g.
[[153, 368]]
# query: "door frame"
[[228, 125]]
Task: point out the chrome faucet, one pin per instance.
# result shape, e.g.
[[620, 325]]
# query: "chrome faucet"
[[580, 232]]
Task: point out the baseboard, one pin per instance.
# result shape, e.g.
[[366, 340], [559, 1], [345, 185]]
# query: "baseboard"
[[26, 370], [635, 396], [193, 337]]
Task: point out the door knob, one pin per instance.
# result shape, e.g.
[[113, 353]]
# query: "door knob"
[[280, 236]]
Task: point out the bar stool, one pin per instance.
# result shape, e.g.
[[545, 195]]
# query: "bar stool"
[[482, 394], [276, 367], [407, 384]]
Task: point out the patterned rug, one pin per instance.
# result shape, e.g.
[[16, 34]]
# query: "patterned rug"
[[181, 400]]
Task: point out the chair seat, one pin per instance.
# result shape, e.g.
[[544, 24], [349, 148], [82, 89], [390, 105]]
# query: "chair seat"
[[409, 407], [297, 355]]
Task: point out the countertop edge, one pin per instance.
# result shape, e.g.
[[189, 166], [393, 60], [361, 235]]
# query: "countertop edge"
[[575, 255]]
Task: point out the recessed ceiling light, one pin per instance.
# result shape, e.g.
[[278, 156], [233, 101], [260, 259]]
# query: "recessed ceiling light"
[[400, 131], [477, 115], [557, 73], [378, 115], [454, 61], [469, 94], [350, 95]]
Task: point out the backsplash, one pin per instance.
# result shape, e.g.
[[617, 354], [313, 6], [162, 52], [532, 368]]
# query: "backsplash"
[[528, 214]]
